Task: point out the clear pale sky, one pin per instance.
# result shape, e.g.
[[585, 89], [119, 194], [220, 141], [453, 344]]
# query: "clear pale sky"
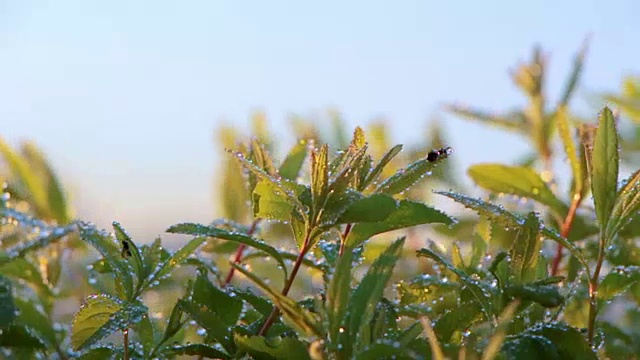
[[124, 96]]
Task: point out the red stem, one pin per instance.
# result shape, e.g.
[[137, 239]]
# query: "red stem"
[[564, 232], [343, 239], [287, 286], [238, 256]]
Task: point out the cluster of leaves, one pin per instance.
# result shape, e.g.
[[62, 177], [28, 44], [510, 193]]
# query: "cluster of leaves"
[[323, 287]]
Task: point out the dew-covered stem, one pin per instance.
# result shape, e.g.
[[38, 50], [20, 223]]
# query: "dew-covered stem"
[[565, 230], [593, 290], [287, 286], [238, 256]]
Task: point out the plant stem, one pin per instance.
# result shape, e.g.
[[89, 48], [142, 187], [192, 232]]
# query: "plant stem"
[[593, 290], [343, 239], [125, 334], [238, 256], [565, 230], [287, 286]]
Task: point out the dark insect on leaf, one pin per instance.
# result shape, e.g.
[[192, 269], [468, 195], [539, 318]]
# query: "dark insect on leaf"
[[126, 250], [438, 154]]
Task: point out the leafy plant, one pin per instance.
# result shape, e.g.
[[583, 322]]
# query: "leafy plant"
[[327, 251]]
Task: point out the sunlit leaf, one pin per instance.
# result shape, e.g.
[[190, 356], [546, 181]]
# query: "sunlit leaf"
[[407, 214], [97, 311], [374, 208], [526, 249], [520, 181], [604, 167]]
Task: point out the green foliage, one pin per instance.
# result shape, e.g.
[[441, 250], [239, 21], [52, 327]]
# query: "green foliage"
[[314, 260]]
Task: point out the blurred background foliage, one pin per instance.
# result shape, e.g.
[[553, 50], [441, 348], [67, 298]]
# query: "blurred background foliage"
[[51, 277]]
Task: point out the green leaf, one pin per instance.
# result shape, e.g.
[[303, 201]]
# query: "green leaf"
[[196, 349], [386, 159], [405, 178], [177, 258], [136, 257], [262, 305], [516, 180], [228, 308], [407, 214], [21, 337], [290, 168], [526, 250], [270, 203], [98, 353], [111, 252], [479, 294], [302, 319], [285, 187], [274, 348], [31, 317], [545, 295], [374, 208], [97, 311], [209, 231], [627, 205], [211, 322], [7, 306], [24, 270], [144, 330], [367, 295], [618, 281], [508, 219], [175, 323], [338, 292], [529, 347], [569, 341], [604, 167], [457, 319]]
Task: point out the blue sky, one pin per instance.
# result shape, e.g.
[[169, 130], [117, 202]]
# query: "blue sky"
[[124, 96]]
